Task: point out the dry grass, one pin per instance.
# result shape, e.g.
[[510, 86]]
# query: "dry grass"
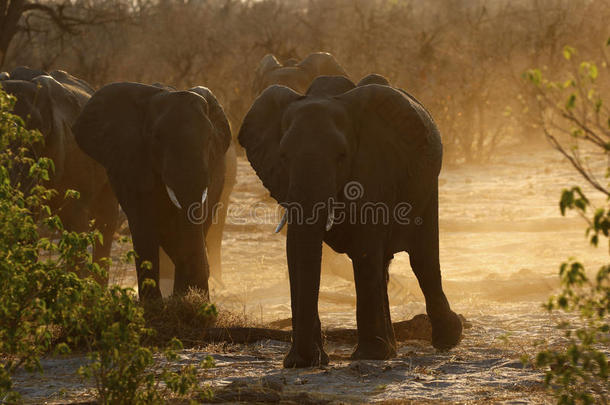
[[187, 317]]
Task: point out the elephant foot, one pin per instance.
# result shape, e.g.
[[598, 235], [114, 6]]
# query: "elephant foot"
[[446, 331], [316, 357], [378, 350]]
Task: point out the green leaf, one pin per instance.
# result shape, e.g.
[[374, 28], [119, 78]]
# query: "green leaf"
[[568, 51], [534, 76], [72, 194], [571, 101]]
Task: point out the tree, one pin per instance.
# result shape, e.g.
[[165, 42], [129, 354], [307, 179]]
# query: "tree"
[[66, 16]]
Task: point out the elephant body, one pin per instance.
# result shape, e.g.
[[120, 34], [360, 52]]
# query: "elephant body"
[[299, 76], [51, 103], [213, 237], [164, 153], [312, 152], [296, 75]]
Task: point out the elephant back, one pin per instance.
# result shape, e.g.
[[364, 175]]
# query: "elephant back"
[[322, 64]]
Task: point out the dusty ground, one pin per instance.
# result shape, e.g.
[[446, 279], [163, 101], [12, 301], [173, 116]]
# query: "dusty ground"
[[502, 240]]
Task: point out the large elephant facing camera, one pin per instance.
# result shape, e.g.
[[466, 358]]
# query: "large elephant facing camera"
[[296, 75], [164, 154], [51, 103], [332, 154]]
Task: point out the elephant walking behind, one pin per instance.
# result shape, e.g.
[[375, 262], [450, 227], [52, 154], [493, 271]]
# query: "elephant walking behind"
[[357, 168], [51, 103], [296, 75], [164, 152]]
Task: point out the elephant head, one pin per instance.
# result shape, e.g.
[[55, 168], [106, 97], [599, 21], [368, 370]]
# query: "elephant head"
[[307, 149], [141, 133], [47, 105], [293, 74], [311, 145]]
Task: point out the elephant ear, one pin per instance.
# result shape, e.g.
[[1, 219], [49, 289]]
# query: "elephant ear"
[[26, 73], [60, 108], [322, 64], [266, 65], [112, 130], [217, 116], [373, 78], [260, 134], [391, 127], [68, 80]]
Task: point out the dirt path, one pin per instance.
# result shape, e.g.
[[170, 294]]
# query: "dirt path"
[[502, 240]]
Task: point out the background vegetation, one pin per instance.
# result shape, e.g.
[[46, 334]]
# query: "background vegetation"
[[462, 58], [575, 117]]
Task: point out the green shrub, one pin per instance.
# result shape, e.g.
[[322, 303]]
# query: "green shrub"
[[125, 372], [577, 123], [39, 292], [45, 308]]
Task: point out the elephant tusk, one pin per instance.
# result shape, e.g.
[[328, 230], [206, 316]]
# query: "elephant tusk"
[[282, 222], [172, 196], [204, 196], [330, 220]]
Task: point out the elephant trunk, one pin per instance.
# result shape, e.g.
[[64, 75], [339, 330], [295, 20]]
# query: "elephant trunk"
[[308, 212]]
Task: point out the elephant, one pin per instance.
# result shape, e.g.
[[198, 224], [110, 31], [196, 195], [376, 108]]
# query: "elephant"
[[296, 75], [213, 238], [51, 103], [311, 151], [164, 153]]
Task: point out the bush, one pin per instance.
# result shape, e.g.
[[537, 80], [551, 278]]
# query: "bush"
[[44, 303], [577, 123], [125, 372], [39, 290]]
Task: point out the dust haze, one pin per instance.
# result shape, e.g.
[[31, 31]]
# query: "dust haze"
[[502, 236]]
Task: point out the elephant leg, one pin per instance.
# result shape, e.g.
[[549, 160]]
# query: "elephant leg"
[[424, 257], [317, 332], [146, 244], [213, 242], [376, 339], [388, 317], [304, 254], [106, 215], [166, 273], [190, 260], [214, 234]]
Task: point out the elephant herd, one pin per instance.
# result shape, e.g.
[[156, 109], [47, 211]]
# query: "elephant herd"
[[168, 159]]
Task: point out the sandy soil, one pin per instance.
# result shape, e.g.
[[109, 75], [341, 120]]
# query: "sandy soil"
[[502, 240]]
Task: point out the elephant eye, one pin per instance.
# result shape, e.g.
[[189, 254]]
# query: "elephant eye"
[[341, 157]]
